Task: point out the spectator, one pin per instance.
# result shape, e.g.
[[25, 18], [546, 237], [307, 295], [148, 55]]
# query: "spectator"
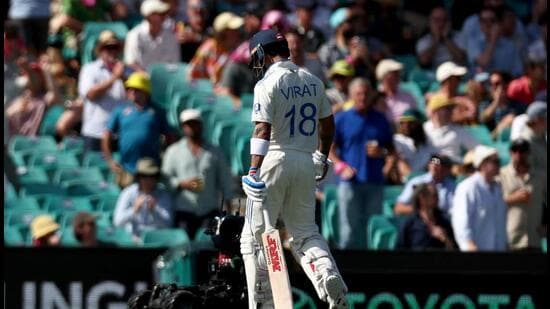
[[144, 205], [72, 16], [276, 20], [479, 211], [472, 28], [336, 47], [525, 88], [100, 84], [397, 100], [449, 76], [537, 49], [213, 54], [45, 232], [139, 126], [31, 17], [413, 150], [498, 113], [14, 48], [198, 174], [85, 231], [524, 190], [150, 42], [192, 33], [448, 138], [439, 174], [340, 74], [70, 118], [441, 44], [24, 115], [362, 138], [426, 227], [359, 89], [299, 56], [390, 28], [490, 50], [237, 78], [359, 57], [313, 37], [535, 132]]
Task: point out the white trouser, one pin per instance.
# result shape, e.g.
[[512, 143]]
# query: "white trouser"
[[290, 181]]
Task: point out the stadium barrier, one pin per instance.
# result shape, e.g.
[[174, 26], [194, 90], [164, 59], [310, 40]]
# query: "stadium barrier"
[[75, 278]]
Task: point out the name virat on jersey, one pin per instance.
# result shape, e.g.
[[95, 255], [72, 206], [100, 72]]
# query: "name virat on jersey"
[[297, 91]]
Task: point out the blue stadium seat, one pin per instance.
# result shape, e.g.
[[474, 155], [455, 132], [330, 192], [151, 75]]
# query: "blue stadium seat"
[[165, 238]]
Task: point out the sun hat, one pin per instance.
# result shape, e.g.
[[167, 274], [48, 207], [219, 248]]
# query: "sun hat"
[[190, 114], [439, 101], [43, 225], [147, 167], [481, 153], [341, 67], [149, 7], [227, 21]]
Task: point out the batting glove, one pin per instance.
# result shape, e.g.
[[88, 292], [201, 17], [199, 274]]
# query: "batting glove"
[[254, 189], [321, 163]]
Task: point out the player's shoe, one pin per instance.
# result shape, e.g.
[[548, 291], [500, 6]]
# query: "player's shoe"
[[336, 294]]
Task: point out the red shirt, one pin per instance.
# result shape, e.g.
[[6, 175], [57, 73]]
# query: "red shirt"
[[519, 90]]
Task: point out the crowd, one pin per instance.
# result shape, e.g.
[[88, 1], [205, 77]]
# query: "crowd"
[[446, 100]]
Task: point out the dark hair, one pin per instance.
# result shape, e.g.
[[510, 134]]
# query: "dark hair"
[[506, 77], [418, 191], [279, 48]]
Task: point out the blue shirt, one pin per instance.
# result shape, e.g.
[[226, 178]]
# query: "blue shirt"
[[139, 132], [479, 214], [353, 131], [445, 191], [506, 55]]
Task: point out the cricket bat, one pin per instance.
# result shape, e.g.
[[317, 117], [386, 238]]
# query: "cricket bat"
[[278, 273]]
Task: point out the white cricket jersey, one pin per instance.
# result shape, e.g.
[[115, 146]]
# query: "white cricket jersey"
[[292, 100]]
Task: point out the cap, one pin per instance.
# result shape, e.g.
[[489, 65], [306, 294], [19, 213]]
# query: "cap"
[[140, 81], [275, 18], [339, 17], [190, 114], [448, 69], [481, 153], [519, 144], [265, 37], [83, 217], [412, 114], [439, 101], [536, 110], [227, 21], [106, 38], [149, 7], [386, 66], [43, 225], [441, 159], [147, 166], [341, 67]]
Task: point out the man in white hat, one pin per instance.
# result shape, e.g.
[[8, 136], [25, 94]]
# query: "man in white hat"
[[198, 174], [149, 42], [479, 213], [397, 100]]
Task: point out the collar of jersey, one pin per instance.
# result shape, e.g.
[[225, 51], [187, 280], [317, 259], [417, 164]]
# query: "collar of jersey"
[[285, 64]]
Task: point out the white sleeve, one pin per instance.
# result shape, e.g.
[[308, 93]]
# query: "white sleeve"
[[262, 110], [460, 217], [131, 48], [86, 80]]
